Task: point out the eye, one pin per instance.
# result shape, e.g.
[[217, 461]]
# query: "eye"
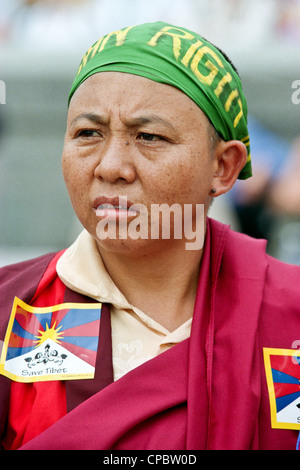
[[87, 133], [149, 137]]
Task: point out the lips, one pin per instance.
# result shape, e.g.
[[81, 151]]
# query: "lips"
[[114, 207]]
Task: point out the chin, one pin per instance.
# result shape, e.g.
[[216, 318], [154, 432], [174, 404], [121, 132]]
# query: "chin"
[[133, 248]]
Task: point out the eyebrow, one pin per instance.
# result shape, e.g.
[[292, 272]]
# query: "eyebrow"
[[133, 122], [152, 118], [96, 118]]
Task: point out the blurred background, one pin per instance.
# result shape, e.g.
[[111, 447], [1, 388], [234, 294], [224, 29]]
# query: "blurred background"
[[41, 45]]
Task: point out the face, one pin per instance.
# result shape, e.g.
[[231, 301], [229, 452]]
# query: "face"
[[134, 140]]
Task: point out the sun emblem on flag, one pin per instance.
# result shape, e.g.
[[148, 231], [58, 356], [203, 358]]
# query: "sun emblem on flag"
[[49, 333]]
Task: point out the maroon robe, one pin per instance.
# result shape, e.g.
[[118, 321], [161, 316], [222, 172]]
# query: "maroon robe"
[[208, 392]]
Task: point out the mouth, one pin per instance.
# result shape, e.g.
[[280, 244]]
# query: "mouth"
[[114, 207]]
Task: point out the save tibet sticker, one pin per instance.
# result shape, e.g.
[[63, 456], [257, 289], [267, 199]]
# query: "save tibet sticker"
[[282, 368], [51, 343]]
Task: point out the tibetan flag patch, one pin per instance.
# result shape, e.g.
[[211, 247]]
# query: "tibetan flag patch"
[[282, 368], [51, 343]]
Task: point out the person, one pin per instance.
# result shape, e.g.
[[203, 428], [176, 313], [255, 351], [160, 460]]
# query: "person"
[[157, 118], [250, 201], [283, 199]]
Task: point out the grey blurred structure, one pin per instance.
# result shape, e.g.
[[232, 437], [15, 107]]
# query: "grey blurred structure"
[[35, 212], [34, 208]]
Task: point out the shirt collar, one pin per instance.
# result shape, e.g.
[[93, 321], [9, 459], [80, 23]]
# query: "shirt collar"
[[81, 268]]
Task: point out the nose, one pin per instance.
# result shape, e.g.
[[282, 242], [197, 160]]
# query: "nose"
[[116, 162]]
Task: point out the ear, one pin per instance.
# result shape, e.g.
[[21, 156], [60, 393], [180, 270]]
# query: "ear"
[[230, 158]]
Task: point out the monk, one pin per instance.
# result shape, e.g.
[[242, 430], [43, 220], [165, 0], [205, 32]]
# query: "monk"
[[169, 321]]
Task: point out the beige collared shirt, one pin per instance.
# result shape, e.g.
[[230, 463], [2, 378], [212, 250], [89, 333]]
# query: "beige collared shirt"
[[136, 338]]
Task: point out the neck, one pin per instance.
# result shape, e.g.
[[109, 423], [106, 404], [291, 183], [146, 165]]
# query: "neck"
[[162, 283]]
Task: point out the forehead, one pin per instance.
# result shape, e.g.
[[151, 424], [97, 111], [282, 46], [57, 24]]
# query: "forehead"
[[127, 94]]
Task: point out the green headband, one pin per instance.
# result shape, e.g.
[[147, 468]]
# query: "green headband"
[[183, 59]]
